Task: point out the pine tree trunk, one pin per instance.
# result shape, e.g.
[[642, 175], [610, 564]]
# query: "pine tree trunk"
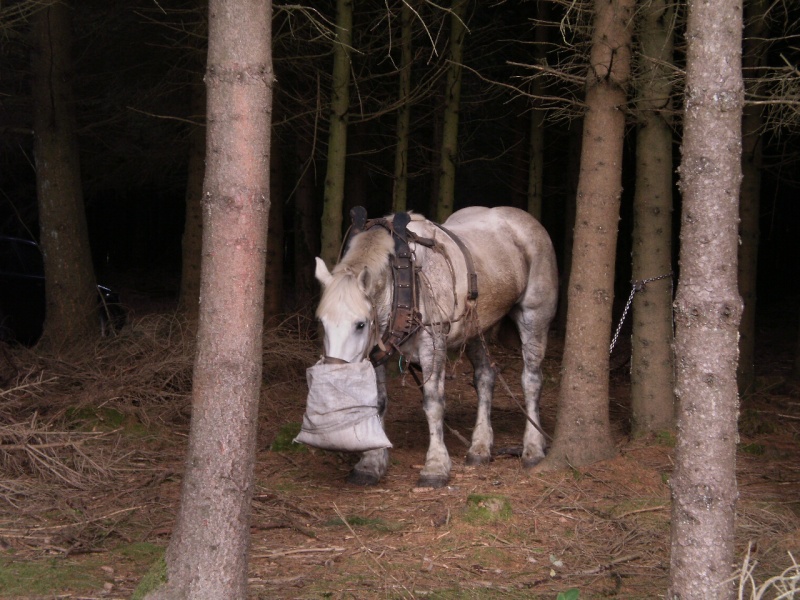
[[71, 298], [447, 167], [652, 381], [537, 120], [400, 192], [536, 161], [333, 203], [708, 307], [572, 175], [192, 241], [753, 61], [583, 429], [208, 552]]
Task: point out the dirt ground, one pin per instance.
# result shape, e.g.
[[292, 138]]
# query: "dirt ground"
[[92, 453]]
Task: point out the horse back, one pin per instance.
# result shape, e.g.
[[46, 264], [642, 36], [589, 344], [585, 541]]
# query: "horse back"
[[513, 258]]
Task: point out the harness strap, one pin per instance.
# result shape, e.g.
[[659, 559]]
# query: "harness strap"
[[405, 318], [472, 276]]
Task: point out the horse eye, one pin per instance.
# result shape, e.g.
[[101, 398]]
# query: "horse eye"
[[360, 325]]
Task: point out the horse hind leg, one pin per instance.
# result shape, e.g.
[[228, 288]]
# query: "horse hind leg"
[[533, 329], [374, 463], [480, 452]]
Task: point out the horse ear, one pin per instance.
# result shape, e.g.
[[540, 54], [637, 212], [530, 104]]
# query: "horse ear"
[[364, 280], [321, 272]]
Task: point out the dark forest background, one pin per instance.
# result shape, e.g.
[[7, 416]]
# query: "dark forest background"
[[137, 62]]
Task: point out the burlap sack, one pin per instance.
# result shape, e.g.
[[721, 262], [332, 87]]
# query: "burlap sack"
[[342, 409]]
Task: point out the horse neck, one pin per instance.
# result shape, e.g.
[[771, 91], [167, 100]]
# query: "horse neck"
[[380, 292]]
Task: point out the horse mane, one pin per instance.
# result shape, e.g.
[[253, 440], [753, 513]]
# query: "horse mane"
[[368, 250]]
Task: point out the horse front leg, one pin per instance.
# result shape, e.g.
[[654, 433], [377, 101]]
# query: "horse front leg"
[[436, 472], [374, 463]]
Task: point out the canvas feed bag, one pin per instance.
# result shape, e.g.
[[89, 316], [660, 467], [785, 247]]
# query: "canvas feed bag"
[[342, 408]]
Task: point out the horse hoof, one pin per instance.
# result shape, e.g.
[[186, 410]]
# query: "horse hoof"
[[531, 461], [432, 481], [362, 478], [477, 459]]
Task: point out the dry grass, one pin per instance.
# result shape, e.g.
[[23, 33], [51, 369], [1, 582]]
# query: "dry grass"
[[85, 436], [92, 447]]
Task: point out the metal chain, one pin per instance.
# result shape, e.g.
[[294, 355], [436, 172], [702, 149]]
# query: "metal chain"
[[636, 286]]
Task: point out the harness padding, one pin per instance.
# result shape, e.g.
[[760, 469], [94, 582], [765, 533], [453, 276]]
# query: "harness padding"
[[342, 408]]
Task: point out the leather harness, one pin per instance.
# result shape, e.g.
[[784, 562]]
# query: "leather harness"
[[405, 318]]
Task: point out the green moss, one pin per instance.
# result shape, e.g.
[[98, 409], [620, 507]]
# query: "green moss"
[[357, 521], [153, 579], [105, 418], [142, 552], [487, 508], [54, 576], [89, 417], [665, 438], [284, 440]]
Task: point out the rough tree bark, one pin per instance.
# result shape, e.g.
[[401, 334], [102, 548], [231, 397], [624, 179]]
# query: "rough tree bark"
[[753, 60], [652, 380], [399, 200], [445, 200], [583, 429], [333, 203], [708, 307], [71, 298], [208, 552], [537, 120]]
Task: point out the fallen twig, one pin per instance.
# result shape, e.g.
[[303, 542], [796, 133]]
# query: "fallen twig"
[[278, 553]]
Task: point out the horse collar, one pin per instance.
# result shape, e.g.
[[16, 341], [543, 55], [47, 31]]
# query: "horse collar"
[[405, 318]]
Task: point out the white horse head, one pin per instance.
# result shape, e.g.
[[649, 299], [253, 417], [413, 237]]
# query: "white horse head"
[[354, 296]]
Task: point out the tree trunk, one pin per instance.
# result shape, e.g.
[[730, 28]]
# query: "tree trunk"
[[399, 199], [536, 160], [208, 552], [447, 167], [357, 169], [652, 381], [71, 298], [192, 241], [536, 142], [708, 307], [753, 60], [583, 429], [572, 175], [337, 138]]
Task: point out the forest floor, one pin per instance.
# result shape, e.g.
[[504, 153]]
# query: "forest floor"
[[92, 451]]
